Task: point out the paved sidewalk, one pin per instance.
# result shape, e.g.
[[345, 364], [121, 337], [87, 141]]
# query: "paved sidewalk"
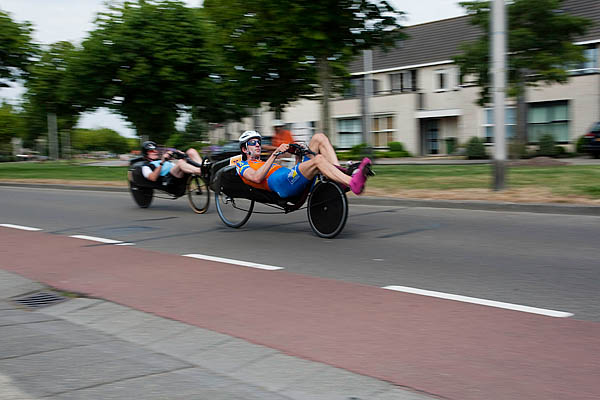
[[91, 349]]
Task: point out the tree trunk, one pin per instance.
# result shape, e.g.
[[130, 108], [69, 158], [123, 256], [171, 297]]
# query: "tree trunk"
[[520, 140], [52, 136], [325, 82]]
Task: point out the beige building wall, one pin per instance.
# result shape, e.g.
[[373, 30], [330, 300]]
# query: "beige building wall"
[[455, 108]]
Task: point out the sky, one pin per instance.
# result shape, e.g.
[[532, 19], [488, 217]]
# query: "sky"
[[57, 20]]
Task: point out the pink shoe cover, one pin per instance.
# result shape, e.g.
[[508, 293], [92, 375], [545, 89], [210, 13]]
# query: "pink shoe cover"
[[357, 184]]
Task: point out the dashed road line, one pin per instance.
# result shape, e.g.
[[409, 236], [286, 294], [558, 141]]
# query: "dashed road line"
[[234, 262], [24, 228], [483, 302], [102, 240]]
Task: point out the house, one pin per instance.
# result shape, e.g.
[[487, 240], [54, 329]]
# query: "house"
[[419, 99]]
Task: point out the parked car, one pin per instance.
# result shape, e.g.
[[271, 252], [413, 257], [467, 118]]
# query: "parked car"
[[230, 149], [591, 141]]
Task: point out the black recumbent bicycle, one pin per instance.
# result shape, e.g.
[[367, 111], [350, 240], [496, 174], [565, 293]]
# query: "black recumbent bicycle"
[[327, 204], [194, 186]]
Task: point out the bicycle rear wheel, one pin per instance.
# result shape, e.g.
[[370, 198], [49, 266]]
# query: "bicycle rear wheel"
[[327, 209], [142, 195], [198, 194], [234, 212]]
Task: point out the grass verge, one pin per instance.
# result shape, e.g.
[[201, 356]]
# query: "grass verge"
[[568, 180]]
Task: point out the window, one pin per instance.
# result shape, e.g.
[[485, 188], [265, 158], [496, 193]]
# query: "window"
[[510, 118], [590, 65], [375, 86], [353, 88], [548, 118], [349, 132], [382, 130], [441, 79], [405, 81]]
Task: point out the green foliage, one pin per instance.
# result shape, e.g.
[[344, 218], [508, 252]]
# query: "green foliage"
[[547, 146], [274, 49], [540, 44], [177, 141], [146, 60], [196, 129], [476, 149], [16, 48], [359, 149], [518, 150], [451, 145], [48, 90], [11, 124], [88, 140], [579, 145], [396, 146]]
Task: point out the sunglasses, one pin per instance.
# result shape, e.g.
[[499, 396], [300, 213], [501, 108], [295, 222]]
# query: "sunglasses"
[[253, 142]]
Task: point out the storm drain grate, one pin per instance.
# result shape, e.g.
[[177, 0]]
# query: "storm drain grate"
[[39, 299]]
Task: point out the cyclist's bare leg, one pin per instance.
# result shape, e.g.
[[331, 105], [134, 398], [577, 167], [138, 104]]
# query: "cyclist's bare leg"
[[320, 144], [320, 164], [181, 167], [194, 155]]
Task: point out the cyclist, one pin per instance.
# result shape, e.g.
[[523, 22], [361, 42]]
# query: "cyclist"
[[288, 182], [281, 136], [162, 169]]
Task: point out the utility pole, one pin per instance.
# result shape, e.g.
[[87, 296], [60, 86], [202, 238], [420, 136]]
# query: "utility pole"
[[367, 90], [499, 86]]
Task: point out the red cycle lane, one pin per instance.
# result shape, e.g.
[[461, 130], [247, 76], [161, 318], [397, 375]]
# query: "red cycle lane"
[[445, 348]]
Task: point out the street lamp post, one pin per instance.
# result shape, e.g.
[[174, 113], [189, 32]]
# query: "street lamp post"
[[498, 28]]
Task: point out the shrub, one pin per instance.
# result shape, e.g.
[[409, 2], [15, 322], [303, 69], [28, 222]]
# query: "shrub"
[[518, 150], [547, 146], [451, 145], [579, 145], [359, 149], [396, 146], [476, 149]]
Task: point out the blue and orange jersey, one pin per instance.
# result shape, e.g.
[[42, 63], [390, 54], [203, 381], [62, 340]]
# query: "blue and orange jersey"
[[242, 166]]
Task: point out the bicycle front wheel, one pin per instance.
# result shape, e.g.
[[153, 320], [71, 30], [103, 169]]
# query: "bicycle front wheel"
[[142, 195], [198, 194], [327, 209], [234, 212]]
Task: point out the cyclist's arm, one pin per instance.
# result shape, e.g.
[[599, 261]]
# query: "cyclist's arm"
[[258, 175], [155, 174]]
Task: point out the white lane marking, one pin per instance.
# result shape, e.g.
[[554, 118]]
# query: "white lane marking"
[[234, 262], [25, 228], [101, 240], [483, 302]]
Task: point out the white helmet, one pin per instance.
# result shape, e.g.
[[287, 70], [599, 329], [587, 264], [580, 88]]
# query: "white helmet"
[[278, 122], [244, 137], [247, 135]]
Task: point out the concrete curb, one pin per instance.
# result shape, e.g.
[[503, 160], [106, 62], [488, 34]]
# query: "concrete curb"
[[541, 208]]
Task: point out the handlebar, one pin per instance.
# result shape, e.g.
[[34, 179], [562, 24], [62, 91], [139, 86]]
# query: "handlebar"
[[296, 149]]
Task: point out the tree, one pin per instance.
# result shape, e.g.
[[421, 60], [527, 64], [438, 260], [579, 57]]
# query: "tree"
[[47, 85], [278, 51], [540, 49], [146, 60], [16, 48], [87, 140], [11, 125]]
